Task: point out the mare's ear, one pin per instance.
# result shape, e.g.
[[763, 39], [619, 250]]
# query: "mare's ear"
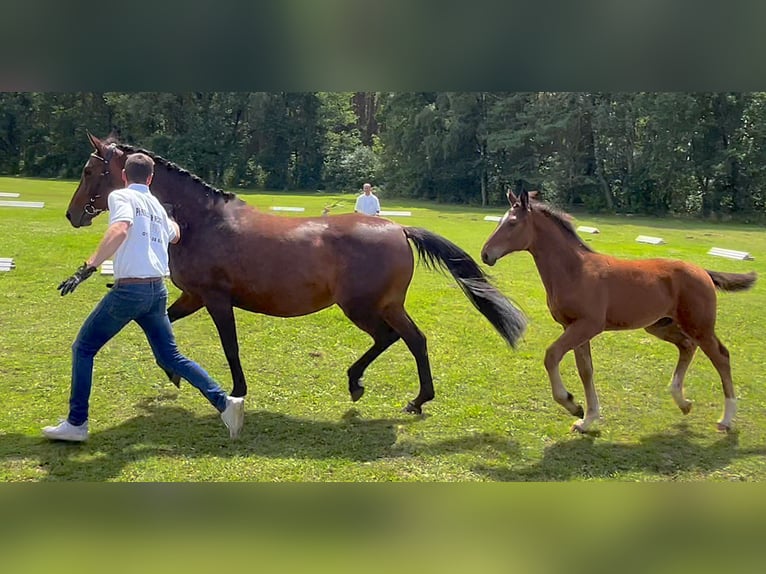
[[94, 141], [511, 197]]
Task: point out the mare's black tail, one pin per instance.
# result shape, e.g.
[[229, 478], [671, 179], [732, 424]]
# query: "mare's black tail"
[[438, 253]]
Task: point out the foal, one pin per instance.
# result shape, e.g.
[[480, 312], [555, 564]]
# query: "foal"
[[588, 293]]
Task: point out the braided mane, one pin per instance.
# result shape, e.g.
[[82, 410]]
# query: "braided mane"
[[129, 149]]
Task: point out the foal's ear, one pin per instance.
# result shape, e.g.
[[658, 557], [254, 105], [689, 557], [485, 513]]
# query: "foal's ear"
[[512, 197], [524, 199], [533, 194]]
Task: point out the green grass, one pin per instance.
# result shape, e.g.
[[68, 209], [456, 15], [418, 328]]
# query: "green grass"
[[493, 417]]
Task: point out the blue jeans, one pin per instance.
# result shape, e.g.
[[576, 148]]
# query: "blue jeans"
[[144, 303]]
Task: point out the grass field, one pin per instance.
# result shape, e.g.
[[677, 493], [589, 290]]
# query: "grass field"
[[493, 418]]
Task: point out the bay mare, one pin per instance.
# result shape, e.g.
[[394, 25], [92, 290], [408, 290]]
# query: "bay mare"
[[588, 293], [232, 255]]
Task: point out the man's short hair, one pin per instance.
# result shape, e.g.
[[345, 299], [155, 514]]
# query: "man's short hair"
[[138, 168]]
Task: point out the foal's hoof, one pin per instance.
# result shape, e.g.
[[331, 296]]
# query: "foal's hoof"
[[413, 409], [580, 413], [687, 408], [583, 429], [720, 427], [357, 393]]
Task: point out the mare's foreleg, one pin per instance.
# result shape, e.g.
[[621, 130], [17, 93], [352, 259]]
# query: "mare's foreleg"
[[222, 313], [585, 369], [185, 305], [575, 334]]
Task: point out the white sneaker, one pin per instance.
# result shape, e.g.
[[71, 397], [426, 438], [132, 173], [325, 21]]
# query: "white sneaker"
[[234, 415], [66, 431]]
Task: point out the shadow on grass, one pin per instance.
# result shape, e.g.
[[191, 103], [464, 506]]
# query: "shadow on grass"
[[663, 454], [176, 434]]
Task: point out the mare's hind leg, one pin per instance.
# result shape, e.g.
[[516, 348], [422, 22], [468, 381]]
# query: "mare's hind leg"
[[667, 330], [185, 305], [415, 340], [383, 337], [719, 356], [585, 369]]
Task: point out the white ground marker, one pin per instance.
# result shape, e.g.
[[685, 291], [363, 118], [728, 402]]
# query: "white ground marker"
[[730, 254], [6, 264], [586, 229], [649, 239], [4, 203], [277, 208], [492, 218], [8, 194], [107, 267], [401, 213]]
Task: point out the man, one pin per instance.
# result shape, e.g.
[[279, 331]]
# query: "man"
[[367, 202], [138, 235]]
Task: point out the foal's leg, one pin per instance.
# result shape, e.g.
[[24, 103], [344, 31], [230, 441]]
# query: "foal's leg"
[[668, 330], [185, 305], [585, 369], [719, 356], [575, 334], [222, 314], [383, 336], [403, 324]]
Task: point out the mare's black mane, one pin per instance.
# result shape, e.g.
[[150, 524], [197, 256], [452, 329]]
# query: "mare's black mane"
[[129, 149]]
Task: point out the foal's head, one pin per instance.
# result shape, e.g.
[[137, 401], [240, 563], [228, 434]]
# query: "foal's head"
[[101, 175], [514, 232]]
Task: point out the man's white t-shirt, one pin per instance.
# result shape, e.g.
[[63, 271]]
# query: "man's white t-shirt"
[[368, 204], [144, 253]]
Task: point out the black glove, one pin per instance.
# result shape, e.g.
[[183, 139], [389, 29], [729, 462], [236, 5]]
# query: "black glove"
[[83, 272]]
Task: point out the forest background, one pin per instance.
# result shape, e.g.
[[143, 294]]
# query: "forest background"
[[701, 155]]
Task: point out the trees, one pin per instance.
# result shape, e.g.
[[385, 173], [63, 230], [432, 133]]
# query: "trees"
[[641, 152]]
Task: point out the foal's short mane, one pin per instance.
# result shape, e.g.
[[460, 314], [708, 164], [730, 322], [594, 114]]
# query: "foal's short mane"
[[129, 149], [562, 220]]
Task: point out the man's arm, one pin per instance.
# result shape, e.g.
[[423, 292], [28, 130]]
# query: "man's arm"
[[114, 235], [177, 229]]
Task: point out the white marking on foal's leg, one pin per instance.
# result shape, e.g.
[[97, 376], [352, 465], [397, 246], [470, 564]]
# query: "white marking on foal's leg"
[[729, 410], [677, 391], [592, 410]]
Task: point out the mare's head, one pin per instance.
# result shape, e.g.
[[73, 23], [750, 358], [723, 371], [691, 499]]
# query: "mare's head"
[[101, 175], [514, 232]]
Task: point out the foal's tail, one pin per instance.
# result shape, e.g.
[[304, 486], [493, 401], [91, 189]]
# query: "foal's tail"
[[732, 281], [438, 253]]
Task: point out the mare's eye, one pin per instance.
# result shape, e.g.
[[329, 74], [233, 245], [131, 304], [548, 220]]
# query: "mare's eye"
[[87, 171]]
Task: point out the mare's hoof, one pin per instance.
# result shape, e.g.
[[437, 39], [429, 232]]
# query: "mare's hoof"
[[686, 409], [413, 409], [580, 412], [357, 393]]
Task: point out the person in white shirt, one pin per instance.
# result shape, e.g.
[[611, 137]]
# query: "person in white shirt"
[[367, 202], [138, 235]]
